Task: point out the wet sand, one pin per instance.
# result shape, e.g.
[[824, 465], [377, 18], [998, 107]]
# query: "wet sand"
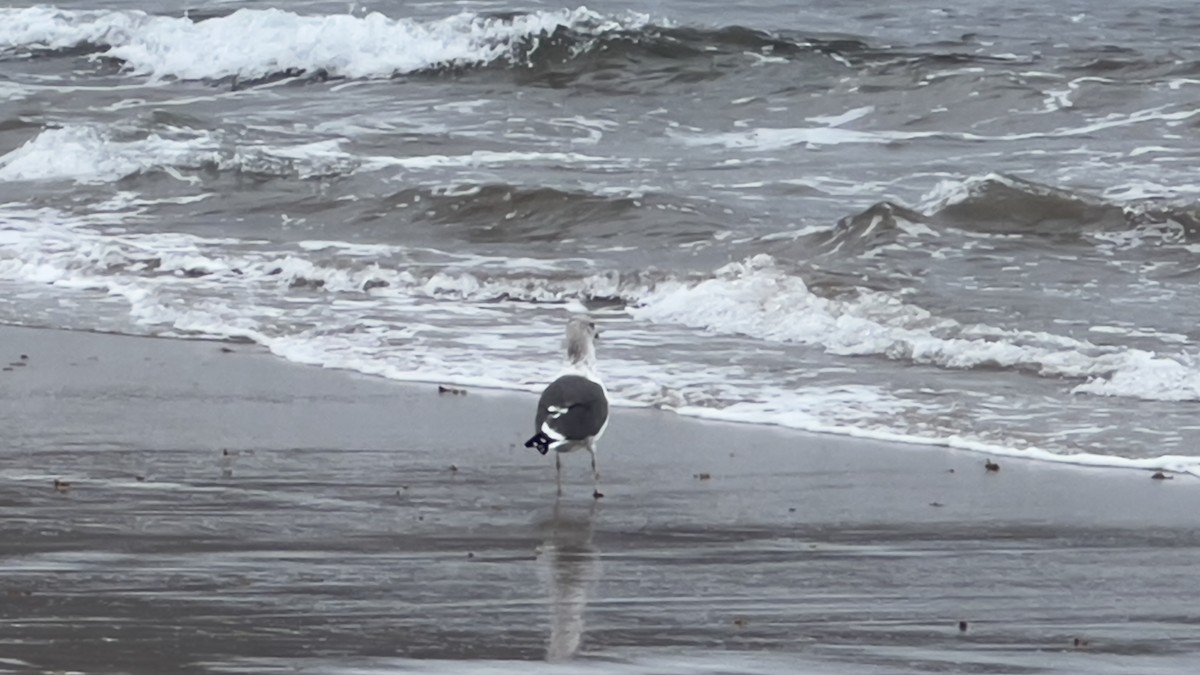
[[230, 512]]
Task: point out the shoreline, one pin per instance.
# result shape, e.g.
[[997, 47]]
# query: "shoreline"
[[1182, 465]]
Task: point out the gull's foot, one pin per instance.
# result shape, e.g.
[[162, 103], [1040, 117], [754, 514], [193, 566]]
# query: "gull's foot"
[[596, 494]]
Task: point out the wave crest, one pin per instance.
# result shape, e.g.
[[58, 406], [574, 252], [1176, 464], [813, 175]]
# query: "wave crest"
[[761, 299], [89, 155], [1002, 204], [251, 43], [1006, 204]]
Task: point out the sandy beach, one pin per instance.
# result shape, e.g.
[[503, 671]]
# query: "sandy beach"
[[222, 511]]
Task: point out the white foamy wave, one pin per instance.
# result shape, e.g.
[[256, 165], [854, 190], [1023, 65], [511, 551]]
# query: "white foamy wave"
[[51, 28], [758, 299], [89, 155], [256, 43], [767, 139], [1149, 377]]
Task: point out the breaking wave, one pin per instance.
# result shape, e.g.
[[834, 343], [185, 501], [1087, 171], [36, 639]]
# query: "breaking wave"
[[89, 155], [252, 43], [550, 46], [760, 299]]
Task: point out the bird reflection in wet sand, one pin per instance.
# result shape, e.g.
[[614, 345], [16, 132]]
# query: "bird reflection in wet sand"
[[573, 566]]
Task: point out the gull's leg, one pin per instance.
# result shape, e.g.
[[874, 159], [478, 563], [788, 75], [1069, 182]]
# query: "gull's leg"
[[558, 470], [554, 529], [596, 493]]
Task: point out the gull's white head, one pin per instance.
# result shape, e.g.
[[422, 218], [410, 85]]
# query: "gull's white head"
[[581, 342]]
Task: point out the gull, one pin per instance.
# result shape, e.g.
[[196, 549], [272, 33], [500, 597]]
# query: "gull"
[[572, 412]]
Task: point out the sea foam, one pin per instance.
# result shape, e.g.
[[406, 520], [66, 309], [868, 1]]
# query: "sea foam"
[[252, 43], [88, 154]]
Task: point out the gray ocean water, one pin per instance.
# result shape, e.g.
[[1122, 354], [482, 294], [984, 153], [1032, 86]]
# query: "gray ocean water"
[[972, 225]]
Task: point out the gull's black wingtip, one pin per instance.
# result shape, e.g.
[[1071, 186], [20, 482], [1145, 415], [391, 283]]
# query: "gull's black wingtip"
[[540, 441]]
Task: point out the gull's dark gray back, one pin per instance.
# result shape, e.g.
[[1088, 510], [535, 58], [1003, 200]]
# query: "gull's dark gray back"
[[585, 404]]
